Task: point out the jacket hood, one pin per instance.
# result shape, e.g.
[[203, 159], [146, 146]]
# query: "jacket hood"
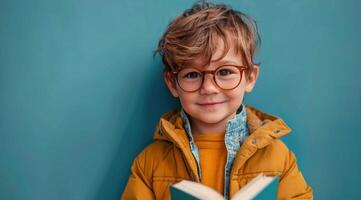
[[263, 127]]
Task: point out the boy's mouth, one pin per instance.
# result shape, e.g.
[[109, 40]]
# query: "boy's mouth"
[[210, 103]]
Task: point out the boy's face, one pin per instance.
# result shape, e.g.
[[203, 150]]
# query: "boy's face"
[[211, 104]]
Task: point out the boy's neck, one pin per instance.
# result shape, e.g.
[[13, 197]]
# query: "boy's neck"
[[199, 127]]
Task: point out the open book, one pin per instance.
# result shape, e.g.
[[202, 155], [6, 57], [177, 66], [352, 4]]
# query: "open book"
[[261, 187]]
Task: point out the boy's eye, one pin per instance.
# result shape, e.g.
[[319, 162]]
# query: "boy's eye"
[[225, 72], [192, 75]]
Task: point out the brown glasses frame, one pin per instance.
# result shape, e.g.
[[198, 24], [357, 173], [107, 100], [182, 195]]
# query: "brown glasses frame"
[[204, 72]]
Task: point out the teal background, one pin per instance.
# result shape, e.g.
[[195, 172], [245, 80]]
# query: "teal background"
[[80, 93]]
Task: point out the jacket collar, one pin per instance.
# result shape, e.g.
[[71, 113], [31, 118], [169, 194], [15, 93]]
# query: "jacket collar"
[[263, 128]]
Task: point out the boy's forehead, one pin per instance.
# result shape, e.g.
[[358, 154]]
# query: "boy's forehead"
[[226, 54], [219, 57]]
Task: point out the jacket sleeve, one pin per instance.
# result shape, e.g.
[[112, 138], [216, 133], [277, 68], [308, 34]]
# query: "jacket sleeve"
[[292, 184], [138, 186]]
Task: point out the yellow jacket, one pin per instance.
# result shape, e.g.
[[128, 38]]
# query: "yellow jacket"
[[169, 160]]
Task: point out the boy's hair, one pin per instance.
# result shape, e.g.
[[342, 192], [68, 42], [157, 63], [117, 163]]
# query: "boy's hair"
[[195, 33]]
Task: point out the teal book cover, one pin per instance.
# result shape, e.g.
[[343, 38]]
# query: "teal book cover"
[[177, 194]]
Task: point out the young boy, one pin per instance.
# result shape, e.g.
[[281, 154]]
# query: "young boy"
[[208, 54]]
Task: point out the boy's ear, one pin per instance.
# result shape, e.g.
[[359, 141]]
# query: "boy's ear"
[[251, 79], [170, 82]]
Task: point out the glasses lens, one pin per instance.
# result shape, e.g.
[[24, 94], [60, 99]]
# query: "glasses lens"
[[228, 77], [189, 79]]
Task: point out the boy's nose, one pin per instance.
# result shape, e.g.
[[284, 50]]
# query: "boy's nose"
[[208, 86]]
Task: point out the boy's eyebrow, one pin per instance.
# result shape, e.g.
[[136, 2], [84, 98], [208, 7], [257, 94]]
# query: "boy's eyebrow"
[[220, 62]]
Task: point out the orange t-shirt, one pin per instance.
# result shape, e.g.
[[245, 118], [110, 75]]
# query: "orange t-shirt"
[[213, 156]]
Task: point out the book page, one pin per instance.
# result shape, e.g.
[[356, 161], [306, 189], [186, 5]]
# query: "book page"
[[198, 190], [252, 188]]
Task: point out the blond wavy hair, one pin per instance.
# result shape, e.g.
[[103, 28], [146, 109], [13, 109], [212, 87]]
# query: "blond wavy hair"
[[194, 35]]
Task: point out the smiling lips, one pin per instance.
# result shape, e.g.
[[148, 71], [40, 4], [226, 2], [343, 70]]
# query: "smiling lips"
[[210, 103]]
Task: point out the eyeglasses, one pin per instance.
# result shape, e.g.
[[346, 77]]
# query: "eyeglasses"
[[226, 77]]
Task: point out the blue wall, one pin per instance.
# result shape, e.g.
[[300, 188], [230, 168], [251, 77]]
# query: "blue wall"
[[80, 93]]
